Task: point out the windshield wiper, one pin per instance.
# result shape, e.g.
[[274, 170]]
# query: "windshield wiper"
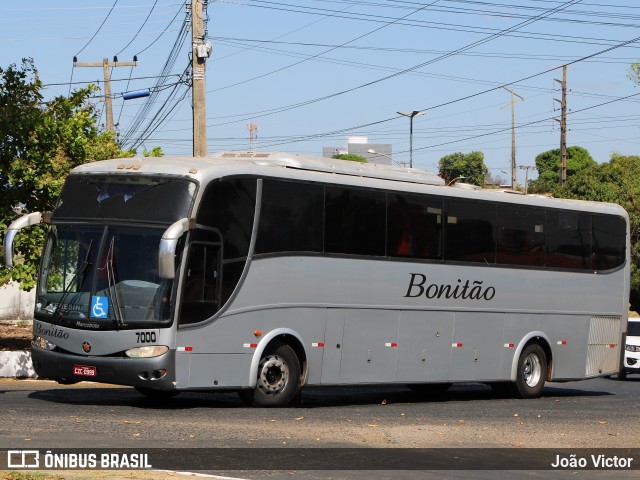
[[112, 291], [58, 312]]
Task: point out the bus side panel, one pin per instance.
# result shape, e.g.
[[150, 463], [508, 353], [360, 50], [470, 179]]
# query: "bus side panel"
[[217, 370], [369, 346], [332, 351], [567, 335], [424, 346], [477, 346]]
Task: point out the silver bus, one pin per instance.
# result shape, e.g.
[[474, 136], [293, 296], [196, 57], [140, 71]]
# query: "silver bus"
[[265, 272]]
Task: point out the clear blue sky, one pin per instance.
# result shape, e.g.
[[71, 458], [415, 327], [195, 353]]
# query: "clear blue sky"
[[312, 72]]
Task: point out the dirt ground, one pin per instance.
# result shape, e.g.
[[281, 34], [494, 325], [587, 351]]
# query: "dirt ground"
[[15, 336], [96, 475]]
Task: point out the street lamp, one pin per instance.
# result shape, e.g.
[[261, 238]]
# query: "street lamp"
[[373, 152], [415, 113], [455, 180]]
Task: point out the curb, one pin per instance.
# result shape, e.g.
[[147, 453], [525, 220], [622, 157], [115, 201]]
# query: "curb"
[[16, 365]]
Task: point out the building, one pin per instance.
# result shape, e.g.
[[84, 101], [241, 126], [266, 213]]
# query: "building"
[[359, 145]]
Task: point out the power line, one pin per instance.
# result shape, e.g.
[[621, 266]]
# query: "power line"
[[99, 28], [140, 29]]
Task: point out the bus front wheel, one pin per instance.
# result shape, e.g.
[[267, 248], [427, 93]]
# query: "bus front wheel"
[[278, 379], [531, 373]]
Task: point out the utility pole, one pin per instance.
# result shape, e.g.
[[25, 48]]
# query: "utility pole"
[[106, 65], [513, 133], [526, 176], [200, 53], [563, 126]]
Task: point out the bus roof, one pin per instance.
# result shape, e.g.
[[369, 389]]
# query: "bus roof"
[[190, 166], [292, 165]]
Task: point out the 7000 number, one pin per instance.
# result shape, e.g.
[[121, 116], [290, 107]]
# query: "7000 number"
[[146, 337]]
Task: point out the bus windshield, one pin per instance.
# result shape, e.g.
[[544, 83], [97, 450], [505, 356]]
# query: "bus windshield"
[[103, 277], [137, 198]]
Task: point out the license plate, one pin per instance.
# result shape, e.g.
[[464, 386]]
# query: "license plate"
[[84, 370]]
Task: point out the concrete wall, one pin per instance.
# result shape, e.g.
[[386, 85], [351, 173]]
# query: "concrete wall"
[[16, 304]]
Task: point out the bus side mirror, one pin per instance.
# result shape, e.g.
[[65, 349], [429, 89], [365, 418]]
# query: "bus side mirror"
[[28, 220], [168, 244]]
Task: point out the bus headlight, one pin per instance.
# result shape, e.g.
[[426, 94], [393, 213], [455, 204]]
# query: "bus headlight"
[[632, 348], [149, 351], [42, 343]]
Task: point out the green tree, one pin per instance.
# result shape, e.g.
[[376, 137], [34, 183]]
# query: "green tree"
[[634, 73], [548, 166], [614, 182], [468, 165], [155, 152], [352, 157], [40, 142]]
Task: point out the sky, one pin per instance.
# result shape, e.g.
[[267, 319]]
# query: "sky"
[[310, 73]]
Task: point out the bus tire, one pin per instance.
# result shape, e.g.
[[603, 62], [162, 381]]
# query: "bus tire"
[[531, 373], [156, 394], [278, 380]]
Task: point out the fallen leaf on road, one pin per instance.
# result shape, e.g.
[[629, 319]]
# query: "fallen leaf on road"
[[299, 418], [372, 425], [384, 402]]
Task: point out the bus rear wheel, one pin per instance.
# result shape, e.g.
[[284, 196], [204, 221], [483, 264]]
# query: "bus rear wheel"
[[278, 379], [531, 373]]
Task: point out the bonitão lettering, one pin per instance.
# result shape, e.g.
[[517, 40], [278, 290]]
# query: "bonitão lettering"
[[467, 290]]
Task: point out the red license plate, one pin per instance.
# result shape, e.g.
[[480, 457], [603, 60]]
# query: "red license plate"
[[84, 370]]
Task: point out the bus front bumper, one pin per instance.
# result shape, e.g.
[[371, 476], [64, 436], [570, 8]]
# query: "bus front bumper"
[[156, 373]]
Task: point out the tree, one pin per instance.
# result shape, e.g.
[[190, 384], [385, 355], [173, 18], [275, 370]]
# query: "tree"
[[352, 157], [614, 182], [634, 73], [468, 165], [548, 166], [155, 152], [40, 142]]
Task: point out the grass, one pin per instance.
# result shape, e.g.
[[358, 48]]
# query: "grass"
[[12, 475]]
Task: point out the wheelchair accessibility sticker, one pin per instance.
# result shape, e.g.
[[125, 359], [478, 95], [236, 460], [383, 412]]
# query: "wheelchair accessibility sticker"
[[99, 307]]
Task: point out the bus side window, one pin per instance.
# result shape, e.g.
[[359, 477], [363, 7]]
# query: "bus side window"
[[520, 235], [568, 239], [414, 227], [354, 221], [470, 232], [200, 298], [608, 242]]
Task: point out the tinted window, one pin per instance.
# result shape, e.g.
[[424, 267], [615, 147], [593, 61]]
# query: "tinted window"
[[634, 328], [291, 217], [354, 221], [568, 238], [228, 206], [200, 298], [470, 232], [520, 235], [414, 226], [608, 242], [140, 198]]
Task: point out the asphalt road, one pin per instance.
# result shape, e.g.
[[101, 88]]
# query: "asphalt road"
[[596, 414]]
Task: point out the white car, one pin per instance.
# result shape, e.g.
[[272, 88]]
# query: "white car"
[[631, 361]]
